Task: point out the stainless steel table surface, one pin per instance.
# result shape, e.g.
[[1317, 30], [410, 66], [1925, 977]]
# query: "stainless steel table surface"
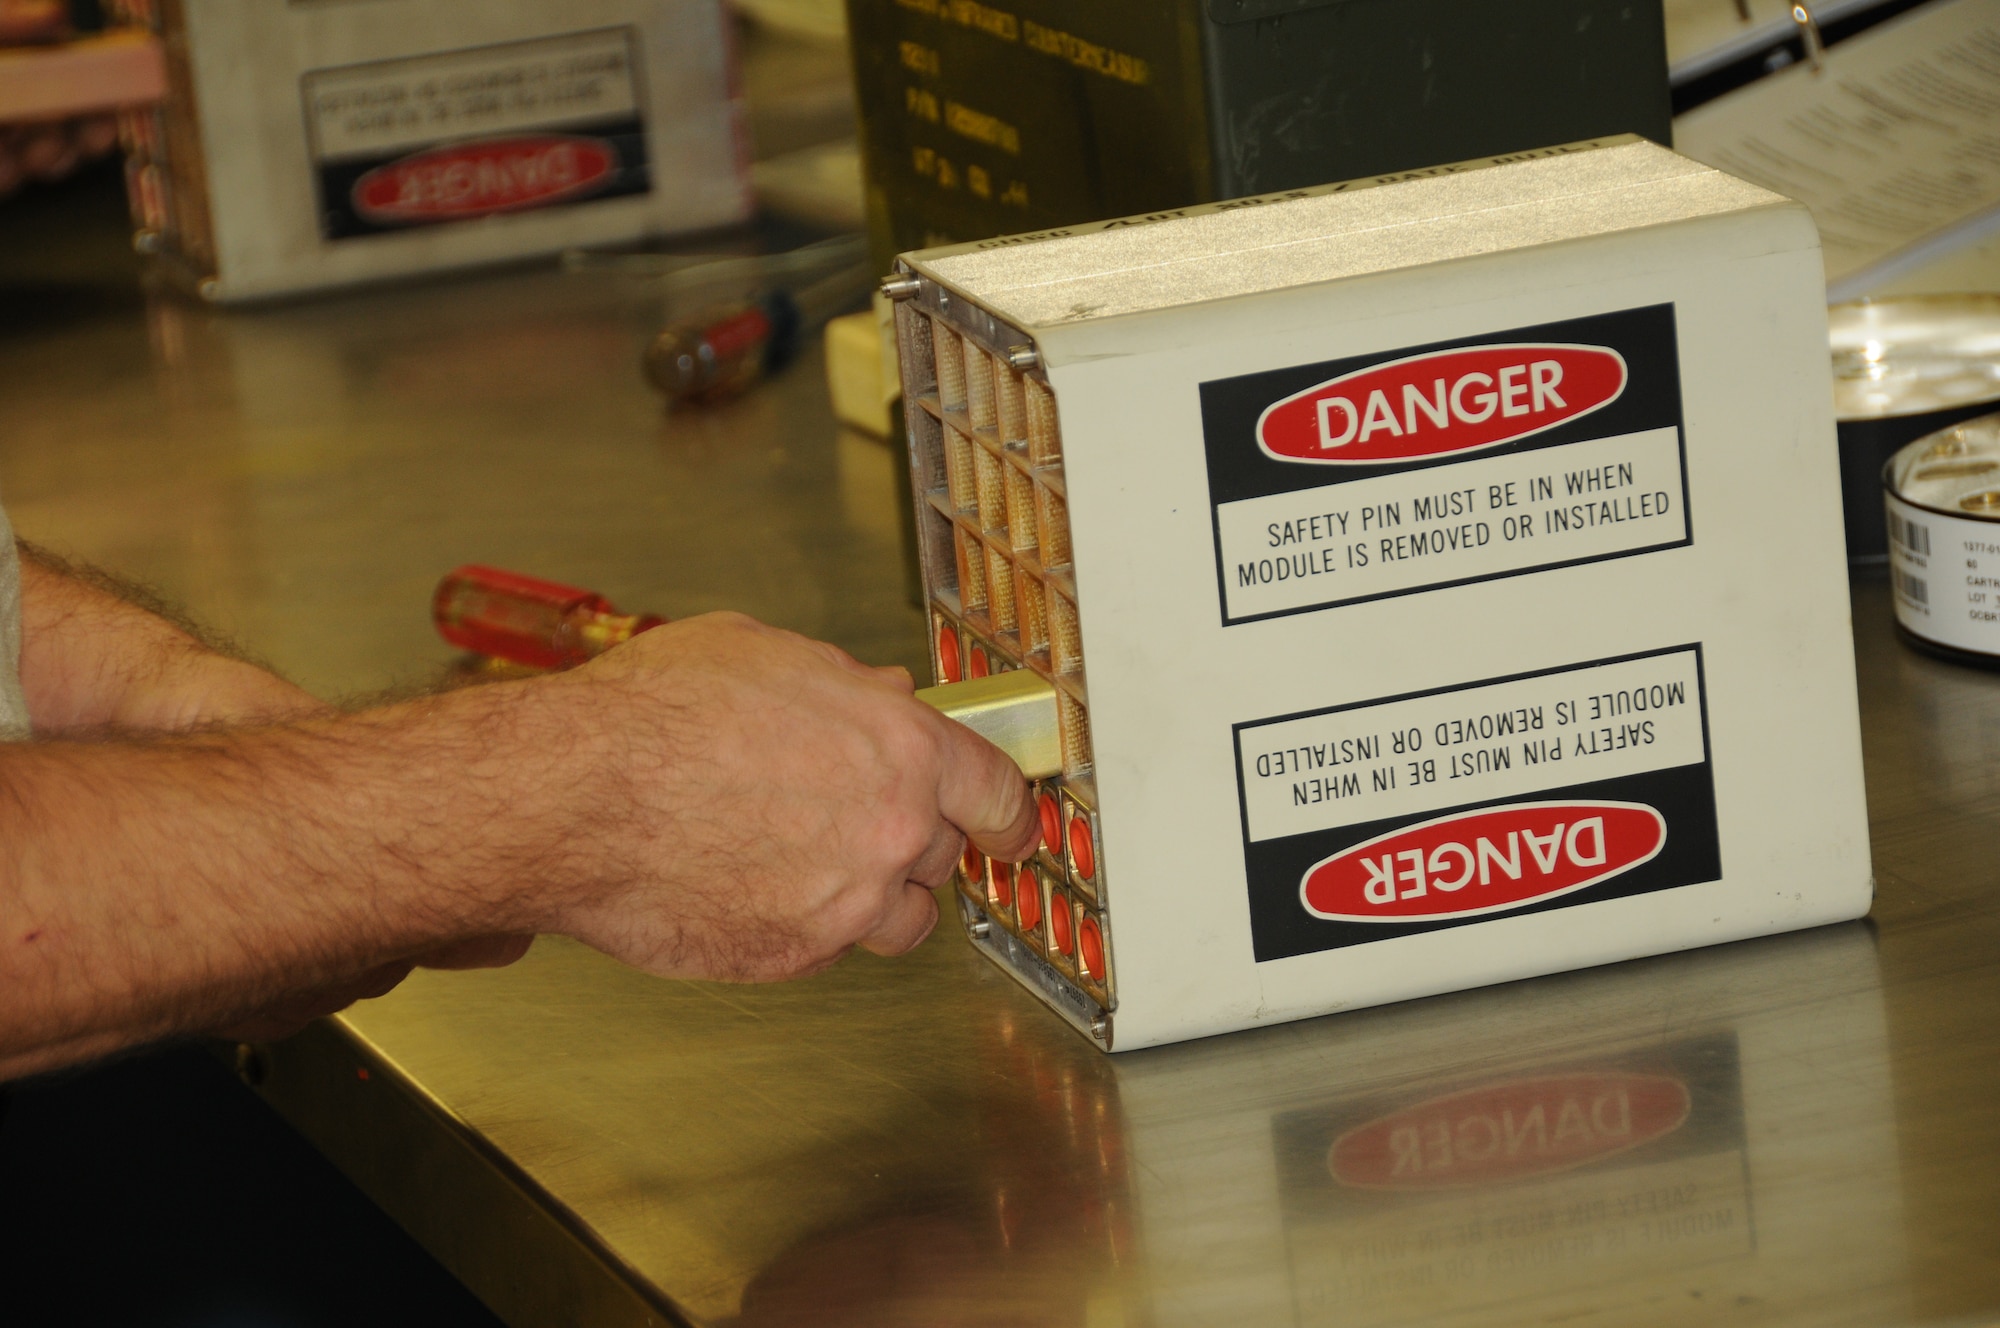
[[1804, 1129]]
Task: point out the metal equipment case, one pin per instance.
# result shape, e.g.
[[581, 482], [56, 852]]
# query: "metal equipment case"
[[304, 146], [982, 119], [1408, 561]]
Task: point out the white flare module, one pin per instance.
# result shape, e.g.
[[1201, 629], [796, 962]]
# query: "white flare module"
[[1405, 558]]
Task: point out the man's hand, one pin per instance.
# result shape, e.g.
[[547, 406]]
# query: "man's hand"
[[714, 799], [767, 803]]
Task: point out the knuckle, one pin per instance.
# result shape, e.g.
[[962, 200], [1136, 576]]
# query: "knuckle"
[[902, 833], [857, 916], [722, 620], [909, 744], [934, 870]]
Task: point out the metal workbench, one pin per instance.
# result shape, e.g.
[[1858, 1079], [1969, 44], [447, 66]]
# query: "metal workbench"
[[1795, 1130]]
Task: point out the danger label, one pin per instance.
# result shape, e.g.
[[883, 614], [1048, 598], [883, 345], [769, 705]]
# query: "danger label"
[[1398, 533], [1441, 402], [388, 107], [1494, 797], [1419, 468], [1634, 1161], [462, 134], [1485, 861]]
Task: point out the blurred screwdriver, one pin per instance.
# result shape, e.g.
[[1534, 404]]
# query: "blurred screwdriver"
[[726, 350], [525, 620]]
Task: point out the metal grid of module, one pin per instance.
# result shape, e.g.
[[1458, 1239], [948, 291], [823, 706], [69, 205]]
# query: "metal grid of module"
[[986, 457]]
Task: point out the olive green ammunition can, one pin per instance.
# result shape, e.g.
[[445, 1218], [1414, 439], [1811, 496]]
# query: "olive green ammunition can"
[[983, 119]]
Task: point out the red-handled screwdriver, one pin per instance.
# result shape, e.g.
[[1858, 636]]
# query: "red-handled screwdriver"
[[525, 620], [721, 353], [544, 625]]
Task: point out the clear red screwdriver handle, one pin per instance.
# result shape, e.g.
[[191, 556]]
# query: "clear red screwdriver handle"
[[525, 620]]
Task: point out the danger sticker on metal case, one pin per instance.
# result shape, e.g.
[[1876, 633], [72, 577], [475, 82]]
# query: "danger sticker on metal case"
[[1509, 795], [456, 135], [1421, 467]]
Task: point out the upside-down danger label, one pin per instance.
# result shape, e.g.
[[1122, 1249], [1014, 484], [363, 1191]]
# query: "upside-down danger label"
[[492, 130], [1483, 862], [1443, 808], [490, 175], [1419, 467]]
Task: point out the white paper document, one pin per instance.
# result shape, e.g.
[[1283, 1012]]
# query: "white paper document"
[[1893, 142]]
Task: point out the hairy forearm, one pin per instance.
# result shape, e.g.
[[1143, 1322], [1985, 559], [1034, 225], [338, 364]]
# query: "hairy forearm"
[[712, 799], [98, 652], [150, 887]]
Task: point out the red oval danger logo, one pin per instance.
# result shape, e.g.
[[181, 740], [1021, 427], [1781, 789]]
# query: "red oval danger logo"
[[1445, 402], [1486, 861], [1509, 1131], [491, 175]]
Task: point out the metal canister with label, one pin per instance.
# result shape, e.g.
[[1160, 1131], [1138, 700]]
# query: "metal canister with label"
[[1902, 369], [1941, 499]]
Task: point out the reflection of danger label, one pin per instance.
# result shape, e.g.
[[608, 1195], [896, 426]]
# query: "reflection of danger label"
[[1547, 1178], [1417, 468], [1502, 797], [1509, 1129]]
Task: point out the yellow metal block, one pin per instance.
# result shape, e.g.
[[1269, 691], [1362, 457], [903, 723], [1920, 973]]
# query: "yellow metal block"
[[1015, 711]]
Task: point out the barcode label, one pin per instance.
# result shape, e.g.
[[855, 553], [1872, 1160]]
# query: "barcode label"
[[1911, 535], [1945, 576]]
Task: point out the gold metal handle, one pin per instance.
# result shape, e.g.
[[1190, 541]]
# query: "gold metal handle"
[[1015, 711]]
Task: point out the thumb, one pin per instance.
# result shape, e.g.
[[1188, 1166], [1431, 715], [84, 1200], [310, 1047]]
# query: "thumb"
[[984, 794]]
